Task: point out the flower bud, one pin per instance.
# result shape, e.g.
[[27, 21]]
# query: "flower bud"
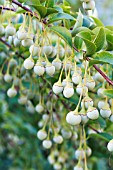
[[57, 87], [8, 78], [90, 83], [10, 30], [39, 69], [92, 113], [76, 78], [34, 49], [105, 111], [47, 144], [79, 154], [16, 42], [39, 108], [47, 50], [110, 146], [51, 159], [57, 166], [58, 139], [22, 100], [66, 134], [41, 134], [88, 102], [11, 92], [27, 42], [73, 118], [50, 69], [57, 63], [78, 168], [100, 92], [68, 91], [99, 77], [28, 63]]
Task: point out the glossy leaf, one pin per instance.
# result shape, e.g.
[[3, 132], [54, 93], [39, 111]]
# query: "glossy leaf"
[[109, 38], [61, 16], [105, 57], [78, 42], [63, 33], [100, 39], [109, 93], [105, 136], [50, 3], [97, 21], [80, 29], [90, 46], [32, 2]]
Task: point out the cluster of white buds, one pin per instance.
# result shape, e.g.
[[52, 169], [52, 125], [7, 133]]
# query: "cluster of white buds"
[[58, 159]]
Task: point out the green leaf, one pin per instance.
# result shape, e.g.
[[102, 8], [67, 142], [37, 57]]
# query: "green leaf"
[[61, 16], [40, 9], [80, 29], [90, 46], [100, 39], [102, 122], [85, 35], [63, 33], [105, 57], [93, 61], [79, 22], [97, 21], [51, 11], [78, 42], [32, 2], [20, 10], [105, 136], [110, 27], [109, 93], [50, 3], [109, 38]]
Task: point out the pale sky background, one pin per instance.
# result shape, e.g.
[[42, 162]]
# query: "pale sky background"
[[105, 11]]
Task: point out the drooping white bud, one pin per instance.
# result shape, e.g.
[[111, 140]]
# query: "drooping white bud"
[[68, 91], [73, 118], [41, 134], [10, 30], [47, 144], [11, 92], [110, 146], [58, 139], [28, 63], [92, 113], [39, 108]]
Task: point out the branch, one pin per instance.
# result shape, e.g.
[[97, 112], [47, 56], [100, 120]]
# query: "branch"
[[4, 42], [25, 8], [8, 9], [100, 71], [9, 46]]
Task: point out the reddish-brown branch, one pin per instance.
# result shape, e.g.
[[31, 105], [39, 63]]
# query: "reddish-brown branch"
[[4, 42], [100, 71], [9, 46], [25, 8], [93, 128], [8, 9]]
